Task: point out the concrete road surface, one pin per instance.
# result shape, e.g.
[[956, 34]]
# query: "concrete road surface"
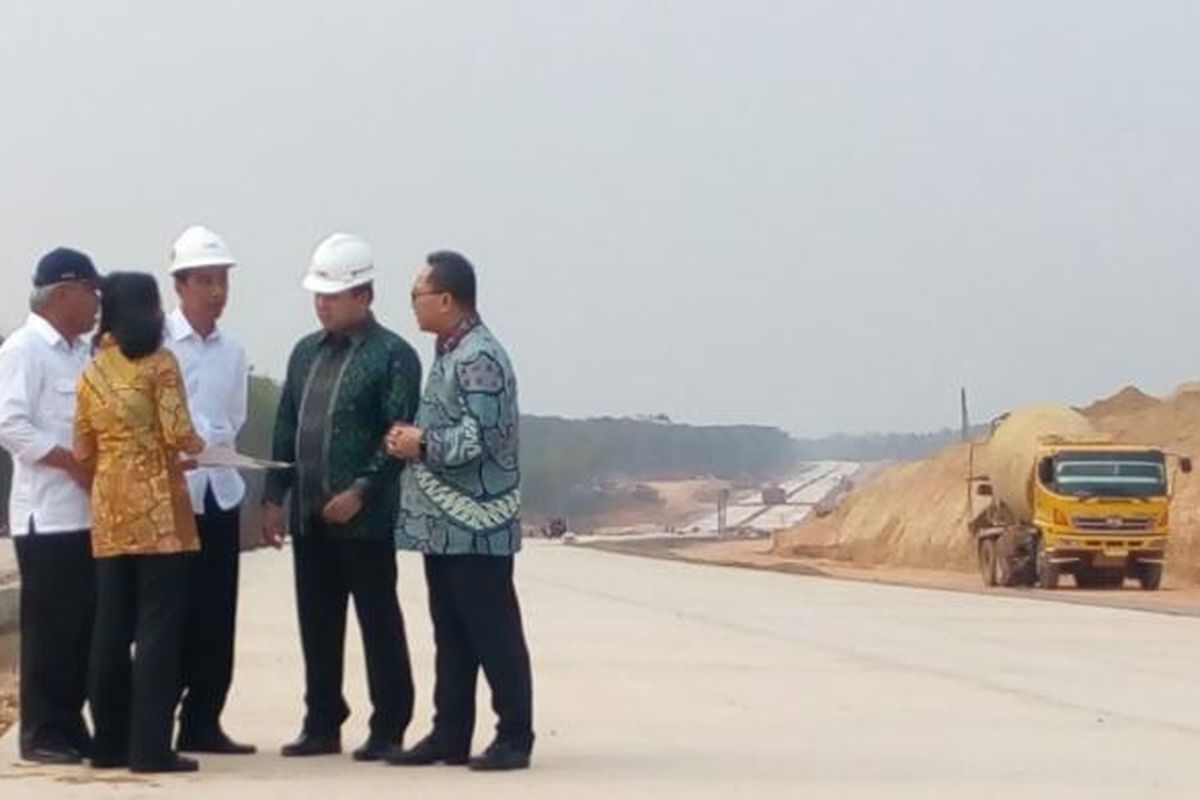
[[663, 679], [819, 480]]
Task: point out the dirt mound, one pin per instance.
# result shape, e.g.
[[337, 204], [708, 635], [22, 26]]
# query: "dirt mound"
[[910, 514], [914, 514], [1191, 387], [1127, 402]]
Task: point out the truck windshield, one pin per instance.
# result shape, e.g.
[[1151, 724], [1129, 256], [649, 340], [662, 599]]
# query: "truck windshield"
[[1111, 474]]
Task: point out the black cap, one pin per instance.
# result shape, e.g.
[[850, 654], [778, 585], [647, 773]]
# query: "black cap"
[[64, 264]]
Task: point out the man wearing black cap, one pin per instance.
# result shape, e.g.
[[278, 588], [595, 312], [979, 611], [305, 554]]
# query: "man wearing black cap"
[[49, 509]]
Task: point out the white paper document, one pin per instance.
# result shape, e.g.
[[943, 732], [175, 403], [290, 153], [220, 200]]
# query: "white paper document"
[[227, 457]]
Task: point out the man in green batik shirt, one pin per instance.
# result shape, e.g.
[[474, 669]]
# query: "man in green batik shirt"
[[346, 385]]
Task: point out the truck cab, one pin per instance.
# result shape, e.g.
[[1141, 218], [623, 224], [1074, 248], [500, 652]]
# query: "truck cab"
[[1101, 513]]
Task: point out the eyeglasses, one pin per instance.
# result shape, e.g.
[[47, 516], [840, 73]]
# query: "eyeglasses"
[[417, 294]]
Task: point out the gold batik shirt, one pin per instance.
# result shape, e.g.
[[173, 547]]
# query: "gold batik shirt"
[[131, 424]]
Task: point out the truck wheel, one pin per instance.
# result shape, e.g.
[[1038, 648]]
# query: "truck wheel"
[[1047, 572], [1150, 576], [1004, 567], [987, 561]]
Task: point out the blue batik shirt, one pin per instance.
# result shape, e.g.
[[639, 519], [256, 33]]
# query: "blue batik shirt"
[[462, 496]]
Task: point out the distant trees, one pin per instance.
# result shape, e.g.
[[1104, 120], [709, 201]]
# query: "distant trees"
[[559, 457], [878, 446]]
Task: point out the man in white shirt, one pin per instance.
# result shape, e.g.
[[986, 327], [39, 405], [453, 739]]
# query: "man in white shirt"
[[216, 376], [49, 507]]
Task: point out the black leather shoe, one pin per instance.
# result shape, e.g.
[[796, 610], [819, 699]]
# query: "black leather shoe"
[[52, 755], [177, 763], [502, 755], [313, 744], [374, 749], [83, 744], [217, 742], [430, 750]]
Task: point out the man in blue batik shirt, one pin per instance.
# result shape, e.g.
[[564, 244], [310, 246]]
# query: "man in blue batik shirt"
[[460, 507]]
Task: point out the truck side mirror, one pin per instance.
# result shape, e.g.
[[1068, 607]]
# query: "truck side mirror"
[[983, 490], [1046, 471], [1185, 464]]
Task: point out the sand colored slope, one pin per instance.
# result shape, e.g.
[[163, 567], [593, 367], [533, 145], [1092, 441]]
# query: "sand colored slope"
[[911, 514]]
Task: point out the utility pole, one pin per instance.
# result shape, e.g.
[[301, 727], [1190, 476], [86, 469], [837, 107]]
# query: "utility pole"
[[966, 421]]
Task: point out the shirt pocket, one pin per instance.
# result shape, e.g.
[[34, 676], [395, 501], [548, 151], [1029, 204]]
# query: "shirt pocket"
[[62, 399]]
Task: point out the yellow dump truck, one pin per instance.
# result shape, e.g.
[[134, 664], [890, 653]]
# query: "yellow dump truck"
[[1049, 495]]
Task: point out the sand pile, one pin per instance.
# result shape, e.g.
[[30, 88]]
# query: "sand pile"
[[914, 514], [1128, 402], [1186, 388], [910, 514]]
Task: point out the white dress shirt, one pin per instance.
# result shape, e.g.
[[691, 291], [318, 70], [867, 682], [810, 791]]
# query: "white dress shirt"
[[217, 377], [39, 370]]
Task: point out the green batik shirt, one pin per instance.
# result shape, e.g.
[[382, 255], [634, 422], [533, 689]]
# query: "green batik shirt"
[[340, 397]]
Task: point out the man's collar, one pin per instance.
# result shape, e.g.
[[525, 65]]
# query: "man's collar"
[[47, 331], [447, 342], [354, 335], [179, 328]]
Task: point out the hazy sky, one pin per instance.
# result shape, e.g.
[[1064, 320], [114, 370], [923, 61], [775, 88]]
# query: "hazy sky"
[[821, 215]]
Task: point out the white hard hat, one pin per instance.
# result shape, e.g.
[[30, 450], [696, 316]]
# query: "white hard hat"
[[341, 262], [199, 247]]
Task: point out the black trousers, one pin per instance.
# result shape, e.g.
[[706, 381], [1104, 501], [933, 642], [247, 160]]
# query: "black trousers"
[[477, 623], [329, 570], [141, 600], [58, 602], [210, 630]]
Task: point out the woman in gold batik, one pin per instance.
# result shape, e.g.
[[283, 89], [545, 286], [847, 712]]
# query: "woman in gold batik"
[[131, 427]]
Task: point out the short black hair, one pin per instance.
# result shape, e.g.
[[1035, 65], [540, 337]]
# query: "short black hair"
[[131, 310], [451, 272]]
